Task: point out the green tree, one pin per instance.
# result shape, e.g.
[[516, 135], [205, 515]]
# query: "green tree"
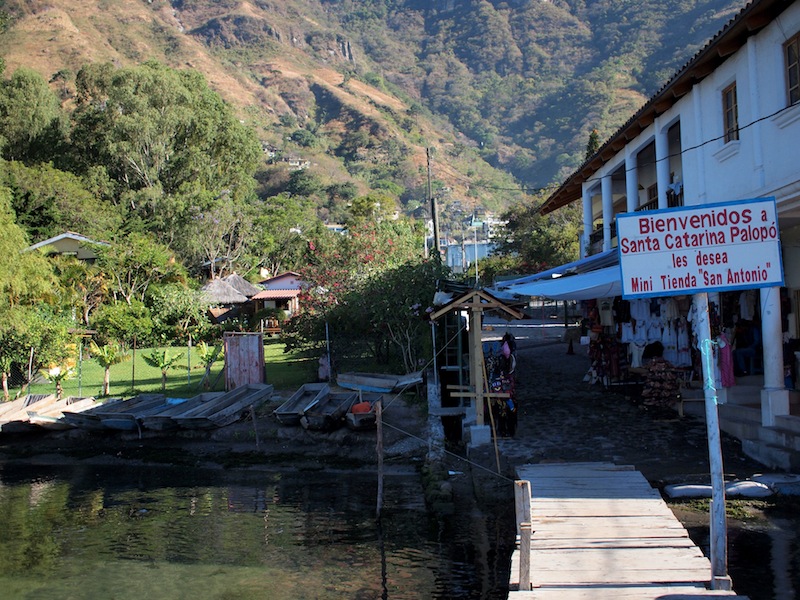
[[220, 234], [593, 145], [162, 360], [107, 356], [388, 313], [136, 262], [83, 286], [48, 202], [178, 312], [172, 147], [32, 124], [25, 277], [338, 265], [541, 241], [208, 356], [120, 321], [282, 226]]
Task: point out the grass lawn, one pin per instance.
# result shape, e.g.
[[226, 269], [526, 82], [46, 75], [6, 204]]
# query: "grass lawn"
[[285, 371]]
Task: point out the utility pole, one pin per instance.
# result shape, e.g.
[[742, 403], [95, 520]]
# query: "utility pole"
[[434, 209]]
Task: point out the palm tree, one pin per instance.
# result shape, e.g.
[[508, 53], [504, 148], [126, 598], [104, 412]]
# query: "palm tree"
[[57, 375], [107, 356], [208, 356], [161, 359]]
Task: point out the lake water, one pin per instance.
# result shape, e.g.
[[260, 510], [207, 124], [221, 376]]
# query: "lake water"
[[133, 533]]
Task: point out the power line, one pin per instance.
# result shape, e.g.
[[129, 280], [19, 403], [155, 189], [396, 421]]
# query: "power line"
[[703, 143]]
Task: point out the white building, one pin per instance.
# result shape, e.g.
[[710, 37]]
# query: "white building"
[[725, 127]]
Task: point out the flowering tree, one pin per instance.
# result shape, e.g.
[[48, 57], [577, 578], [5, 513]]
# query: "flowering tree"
[[389, 313], [338, 266]]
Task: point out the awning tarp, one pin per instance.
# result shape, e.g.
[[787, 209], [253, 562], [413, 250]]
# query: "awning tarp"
[[590, 263], [599, 283]]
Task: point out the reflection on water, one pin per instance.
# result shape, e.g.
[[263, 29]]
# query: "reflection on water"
[[763, 559], [162, 533]]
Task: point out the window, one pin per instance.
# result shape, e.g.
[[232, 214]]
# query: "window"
[[793, 69], [652, 193], [730, 113]]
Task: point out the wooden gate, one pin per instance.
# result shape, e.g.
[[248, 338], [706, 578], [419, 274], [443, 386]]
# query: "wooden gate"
[[244, 359]]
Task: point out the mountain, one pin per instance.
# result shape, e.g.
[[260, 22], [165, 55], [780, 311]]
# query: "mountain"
[[505, 93]]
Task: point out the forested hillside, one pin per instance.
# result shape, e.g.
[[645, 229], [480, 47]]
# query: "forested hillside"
[[201, 138], [362, 87]]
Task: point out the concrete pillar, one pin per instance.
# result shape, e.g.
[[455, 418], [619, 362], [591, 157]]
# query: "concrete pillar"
[[754, 135], [662, 165], [631, 180], [774, 396], [696, 193], [608, 211], [587, 220]]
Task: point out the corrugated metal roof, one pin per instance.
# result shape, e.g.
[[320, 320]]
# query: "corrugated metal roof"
[[276, 294]]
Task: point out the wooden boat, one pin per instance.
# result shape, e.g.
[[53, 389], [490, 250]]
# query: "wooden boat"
[[378, 382], [16, 420], [328, 412], [88, 419], [358, 420], [130, 419], [92, 419], [227, 409], [289, 412], [164, 420], [6, 408], [53, 418]]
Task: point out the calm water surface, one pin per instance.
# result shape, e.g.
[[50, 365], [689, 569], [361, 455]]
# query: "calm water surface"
[[133, 533]]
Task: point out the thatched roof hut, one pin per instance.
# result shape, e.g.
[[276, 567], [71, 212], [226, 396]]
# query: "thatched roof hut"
[[241, 285], [218, 291]]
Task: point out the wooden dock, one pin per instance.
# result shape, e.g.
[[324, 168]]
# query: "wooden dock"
[[600, 531]]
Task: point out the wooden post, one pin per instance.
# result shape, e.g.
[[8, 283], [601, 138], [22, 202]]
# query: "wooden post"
[[525, 556], [379, 450], [522, 501], [476, 358], [491, 412], [255, 425], [718, 526]]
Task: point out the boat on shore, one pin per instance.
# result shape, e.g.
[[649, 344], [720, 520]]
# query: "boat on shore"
[[130, 419], [164, 420], [378, 382], [15, 418], [92, 419], [226, 409], [361, 415], [290, 412], [52, 418], [328, 413]]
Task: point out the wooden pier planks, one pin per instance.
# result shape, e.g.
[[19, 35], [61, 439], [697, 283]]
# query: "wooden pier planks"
[[600, 531]]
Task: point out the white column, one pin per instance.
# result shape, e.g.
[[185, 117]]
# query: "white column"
[[631, 180], [662, 165], [774, 396], [754, 136], [587, 220], [697, 193], [608, 211]]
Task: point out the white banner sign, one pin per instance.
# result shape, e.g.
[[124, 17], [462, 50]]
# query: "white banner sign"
[[716, 247]]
